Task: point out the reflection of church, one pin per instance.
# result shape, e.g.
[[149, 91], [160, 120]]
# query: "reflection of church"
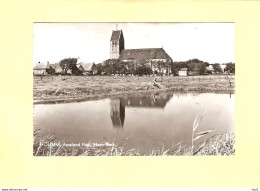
[[117, 106], [117, 113], [152, 101]]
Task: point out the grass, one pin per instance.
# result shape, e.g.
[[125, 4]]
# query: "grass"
[[92, 150], [75, 88], [220, 144]]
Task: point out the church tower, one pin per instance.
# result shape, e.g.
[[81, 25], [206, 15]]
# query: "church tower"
[[117, 44]]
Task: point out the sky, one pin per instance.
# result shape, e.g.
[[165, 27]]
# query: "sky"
[[90, 42]]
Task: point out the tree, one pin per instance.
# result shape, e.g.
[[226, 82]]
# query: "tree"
[[114, 66], [176, 66], [99, 69], [68, 63], [107, 67], [217, 68], [122, 69], [159, 67], [143, 70], [130, 68], [168, 67], [230, 67], [197, 67]]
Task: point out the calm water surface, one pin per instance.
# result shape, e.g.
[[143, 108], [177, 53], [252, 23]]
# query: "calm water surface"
[[152, 121]]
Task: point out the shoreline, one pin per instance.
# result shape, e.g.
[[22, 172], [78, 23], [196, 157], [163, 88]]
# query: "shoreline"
[[104, 96], [54, 89]]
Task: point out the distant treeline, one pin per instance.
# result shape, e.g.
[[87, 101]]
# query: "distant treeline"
[[198, 67], [194, 67], [143, 67]]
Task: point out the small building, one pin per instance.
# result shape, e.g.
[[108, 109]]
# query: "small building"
[[80, 67], [59, 71], [210, 69], [57, 68], [223, 67], [87, 68], [183, 72], [42, 69]]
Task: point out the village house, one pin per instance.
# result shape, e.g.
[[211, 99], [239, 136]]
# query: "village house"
[[223, 67], [210, 69], [59, 71], [87, 68], [42, 69], [183, 72], [57, 68], [156, 58]]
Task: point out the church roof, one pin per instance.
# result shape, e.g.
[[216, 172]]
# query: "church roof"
[[115, 35], [146, 53]]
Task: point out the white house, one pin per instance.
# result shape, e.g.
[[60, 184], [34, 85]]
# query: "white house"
[[41, 68], [183, 72]]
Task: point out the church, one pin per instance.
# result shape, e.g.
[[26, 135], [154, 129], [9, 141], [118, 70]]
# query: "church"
[[156, 58]]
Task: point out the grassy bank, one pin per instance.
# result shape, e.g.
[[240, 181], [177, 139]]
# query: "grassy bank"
[[76, 88], [220, 144]]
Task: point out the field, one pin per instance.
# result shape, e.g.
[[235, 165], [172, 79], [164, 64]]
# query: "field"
[[47, 89]]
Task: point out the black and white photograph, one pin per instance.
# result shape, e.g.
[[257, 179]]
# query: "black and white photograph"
[[133, 89]]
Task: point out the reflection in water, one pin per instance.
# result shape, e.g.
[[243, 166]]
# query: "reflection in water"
[[153, 100], [117, 113], [152, 121], [117, 106]]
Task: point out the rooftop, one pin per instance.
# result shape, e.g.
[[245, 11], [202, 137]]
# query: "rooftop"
[[41, 66], [86, 66], [115, 35], [145, 53]]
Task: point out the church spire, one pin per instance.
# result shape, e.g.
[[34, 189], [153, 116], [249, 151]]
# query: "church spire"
[[117, 44]]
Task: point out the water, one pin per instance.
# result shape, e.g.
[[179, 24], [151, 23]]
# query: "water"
[[152, 121]]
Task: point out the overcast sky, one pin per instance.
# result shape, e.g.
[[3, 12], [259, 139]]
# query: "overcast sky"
[[209, 42]]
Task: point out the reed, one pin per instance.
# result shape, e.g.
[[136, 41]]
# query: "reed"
[[198, 135], [221, 144]]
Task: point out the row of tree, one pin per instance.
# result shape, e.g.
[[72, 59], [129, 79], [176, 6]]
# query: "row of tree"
[[198, 67], [142, 67], [116, 66]]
